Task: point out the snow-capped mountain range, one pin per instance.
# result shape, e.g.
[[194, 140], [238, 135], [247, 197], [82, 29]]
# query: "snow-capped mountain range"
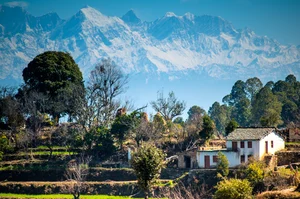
[[174, 45]]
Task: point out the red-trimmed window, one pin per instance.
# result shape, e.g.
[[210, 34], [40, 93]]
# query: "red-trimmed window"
[[215, 158], [242, 144], [249, 144], [272, 144], [242, 158], [234, 146]]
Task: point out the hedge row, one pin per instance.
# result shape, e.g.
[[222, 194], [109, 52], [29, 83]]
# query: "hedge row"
[[56, 173], [109, 188]]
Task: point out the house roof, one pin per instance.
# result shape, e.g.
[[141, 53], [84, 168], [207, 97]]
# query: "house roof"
[[249, 133]]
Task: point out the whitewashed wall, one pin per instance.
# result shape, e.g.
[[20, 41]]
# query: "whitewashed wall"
[[232, 156], [278, 144]]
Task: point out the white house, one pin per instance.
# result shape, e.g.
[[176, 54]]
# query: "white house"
[[242, 144]]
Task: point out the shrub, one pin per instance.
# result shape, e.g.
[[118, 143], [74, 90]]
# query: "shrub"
[[147, 163], [222, 165], [255, 172], [233, 189]]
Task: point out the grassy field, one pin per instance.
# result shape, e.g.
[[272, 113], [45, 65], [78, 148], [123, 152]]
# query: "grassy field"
[[57, 196]]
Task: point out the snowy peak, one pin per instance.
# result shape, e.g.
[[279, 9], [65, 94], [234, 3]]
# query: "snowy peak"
[[214, 26], [131, 18], [171, 44], [189, 16], [96, 18], [170, 14]]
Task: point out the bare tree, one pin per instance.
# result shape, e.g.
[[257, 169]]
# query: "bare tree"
[[77, 173], [107, 82], [34, 104], [168, 107]]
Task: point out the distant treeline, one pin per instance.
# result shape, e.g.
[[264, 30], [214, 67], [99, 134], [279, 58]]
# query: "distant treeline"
[[251, 103]]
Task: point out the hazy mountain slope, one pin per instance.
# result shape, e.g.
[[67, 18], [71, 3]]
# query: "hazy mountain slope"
[[172, 44]]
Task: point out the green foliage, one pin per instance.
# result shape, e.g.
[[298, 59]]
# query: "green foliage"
[[120, 128], [253, 85], [147, 163], [55, 74], [255, 172], [233, 189], [99, 142], [222, 164], [251, 104], [208, 128], [266, 108], [220, 114], [231, 126], [195, 112]]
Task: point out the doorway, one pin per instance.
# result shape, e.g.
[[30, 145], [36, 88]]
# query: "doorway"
[[187, 160], [266, 147], [206, 161]]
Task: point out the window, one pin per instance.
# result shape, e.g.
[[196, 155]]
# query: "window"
[[242, 158], [242, 144], [272, 144], [249, 144], [215, 158], [234, 146]]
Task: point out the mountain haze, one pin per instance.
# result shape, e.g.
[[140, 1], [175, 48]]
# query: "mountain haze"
[[171, 44]]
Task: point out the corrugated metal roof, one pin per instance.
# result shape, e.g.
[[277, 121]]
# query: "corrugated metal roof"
[[249, 133]]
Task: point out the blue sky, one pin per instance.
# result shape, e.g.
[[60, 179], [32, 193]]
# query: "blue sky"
[[278, 19]]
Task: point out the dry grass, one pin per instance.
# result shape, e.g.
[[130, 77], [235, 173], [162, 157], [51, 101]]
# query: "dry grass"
[[282, 194]]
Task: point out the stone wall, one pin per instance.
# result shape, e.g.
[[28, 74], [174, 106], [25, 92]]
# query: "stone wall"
[[182, 158], [287, 157]]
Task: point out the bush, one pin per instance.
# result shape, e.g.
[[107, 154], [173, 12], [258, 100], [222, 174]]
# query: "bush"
[[233, 189], [255, 172], [222, 165]]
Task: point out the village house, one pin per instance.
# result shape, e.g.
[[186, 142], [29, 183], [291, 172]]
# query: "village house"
[[242, 144]]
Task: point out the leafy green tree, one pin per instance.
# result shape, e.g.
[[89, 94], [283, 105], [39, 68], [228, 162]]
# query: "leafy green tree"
[[147, 163], [134, 125], [222, 164], [239, 102], [253, 85], [291, 79], [238, 92], [233, 189], [208, 128], [169, 107], [98, 141], [241, 112], [220, 114], [120, 128], [231, 126], [288, 94], [266, 108], [195, 113], [269, 84], [56, 75]]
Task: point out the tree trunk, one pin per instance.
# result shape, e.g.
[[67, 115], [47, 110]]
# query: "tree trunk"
[[146, 194], [51, 151]]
